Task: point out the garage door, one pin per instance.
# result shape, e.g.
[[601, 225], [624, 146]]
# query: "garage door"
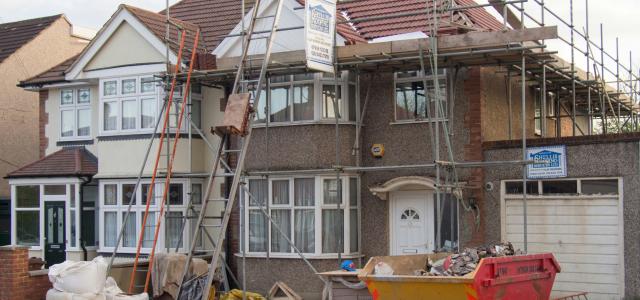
[[584, 234]]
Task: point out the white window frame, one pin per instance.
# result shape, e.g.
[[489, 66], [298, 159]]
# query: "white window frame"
[[119, 99], [138, 209], [75, 108], [318, 207], [344, 83], [420, 77]]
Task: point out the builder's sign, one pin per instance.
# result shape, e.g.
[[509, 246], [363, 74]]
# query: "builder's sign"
[[320, 20], [551, 162]]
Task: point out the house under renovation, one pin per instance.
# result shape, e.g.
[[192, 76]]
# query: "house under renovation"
[[437, 126]]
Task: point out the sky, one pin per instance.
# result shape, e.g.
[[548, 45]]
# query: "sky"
[[620, 19]]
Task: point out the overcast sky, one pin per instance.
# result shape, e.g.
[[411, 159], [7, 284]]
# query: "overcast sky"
[[621, 18]]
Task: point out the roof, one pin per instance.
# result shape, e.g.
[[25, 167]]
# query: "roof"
[[75, 161], [53, 75], [478, 19], [16, 34]]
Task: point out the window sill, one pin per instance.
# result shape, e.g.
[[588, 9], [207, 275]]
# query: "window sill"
[[302, 123], [296, 256], [75, 139], [405, 122]]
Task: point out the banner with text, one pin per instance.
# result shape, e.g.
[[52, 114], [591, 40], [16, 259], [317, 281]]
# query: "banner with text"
[[551, 162], [320, 20]]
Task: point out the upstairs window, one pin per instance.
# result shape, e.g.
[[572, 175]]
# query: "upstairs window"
[[414, 102], [307, 97], [75, 114], [128, 104]]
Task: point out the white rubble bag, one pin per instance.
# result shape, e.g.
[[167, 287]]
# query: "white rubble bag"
[[110, 292], [79, 277]]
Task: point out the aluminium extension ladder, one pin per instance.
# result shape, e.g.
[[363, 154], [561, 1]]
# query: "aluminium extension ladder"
[[230, 138]]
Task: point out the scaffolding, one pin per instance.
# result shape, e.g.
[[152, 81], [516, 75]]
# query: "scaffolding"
[[599, 99]]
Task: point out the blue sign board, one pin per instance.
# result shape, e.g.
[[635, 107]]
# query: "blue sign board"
[[551, 162]]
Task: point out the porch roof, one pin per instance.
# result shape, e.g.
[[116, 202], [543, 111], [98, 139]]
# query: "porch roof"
[[76, 161]]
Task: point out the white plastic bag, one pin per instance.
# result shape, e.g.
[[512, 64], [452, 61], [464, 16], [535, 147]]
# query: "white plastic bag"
[[79, 277], [382, 268]]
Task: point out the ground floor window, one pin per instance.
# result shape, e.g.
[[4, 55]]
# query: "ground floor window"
[[115, 196], [309, 211]]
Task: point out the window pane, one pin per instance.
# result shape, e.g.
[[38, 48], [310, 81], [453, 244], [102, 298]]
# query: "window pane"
[[67, 123], [175, 194], [304, 191], [261, 111], [28, 196], [304, 227], [110, 194], [280, 189], [304, 76], [353, 230], [55, 189], [129, 239], [28, 228], [257, 231], [149, 229], [129, 113], [196, 106], [410, 102], [259, 190], [352, 102], [330, 191], [196, 193], [448, 224], [332, 235], [148, 112], [110, 116], [128, 86], [127, 194], [145, 194], [602, 187], [280, 78], [84, 122], [110, 228], [353, 191], [147, 85], [174, 224], [282, 217], [515, 187], [328, 95], [280, 104], [72, 195], [303, 102], [407, 74], [560, 187], [66, 97], [88, 227], [441, 112], [84, 96], [109, 88], [72, 216]]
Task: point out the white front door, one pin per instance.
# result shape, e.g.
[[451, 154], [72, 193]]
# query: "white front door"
[[411, 220]]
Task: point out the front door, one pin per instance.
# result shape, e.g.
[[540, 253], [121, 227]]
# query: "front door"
[[411, 219], [54, 233]]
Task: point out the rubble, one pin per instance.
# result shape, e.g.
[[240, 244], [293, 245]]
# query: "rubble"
[[465, 262]]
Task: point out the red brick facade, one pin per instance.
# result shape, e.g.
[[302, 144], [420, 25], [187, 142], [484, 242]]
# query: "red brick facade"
[[15, 280], [43, 119], [473, 150]]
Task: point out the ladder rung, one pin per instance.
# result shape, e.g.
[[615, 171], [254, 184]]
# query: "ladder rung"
[[212, 226], [231, 150], [249, 80], [218, 200], [265, 17], [259, 38]]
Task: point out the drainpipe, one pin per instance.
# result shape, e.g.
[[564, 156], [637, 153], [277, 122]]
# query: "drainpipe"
[[85, 181]]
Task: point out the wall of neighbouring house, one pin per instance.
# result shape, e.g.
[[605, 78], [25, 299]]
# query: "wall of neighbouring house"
[[593, 156], [313, 146], [19, 111], [16, 281]]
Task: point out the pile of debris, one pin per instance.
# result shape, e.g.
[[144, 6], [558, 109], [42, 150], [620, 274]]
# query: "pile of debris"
[[465, 262]]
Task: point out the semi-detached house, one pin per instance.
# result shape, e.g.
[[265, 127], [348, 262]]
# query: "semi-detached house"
[[584, 218]]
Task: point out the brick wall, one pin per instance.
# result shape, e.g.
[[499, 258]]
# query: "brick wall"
[[16, 282], [43, 119], [473, 149]]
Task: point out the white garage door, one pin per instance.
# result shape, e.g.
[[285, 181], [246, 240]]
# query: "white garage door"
[[584, 234]]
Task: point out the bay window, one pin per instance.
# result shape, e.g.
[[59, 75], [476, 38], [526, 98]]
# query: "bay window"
[[307, 97], [414, 100], [75, 114], [115, 197], [308, 210], [128, 104]]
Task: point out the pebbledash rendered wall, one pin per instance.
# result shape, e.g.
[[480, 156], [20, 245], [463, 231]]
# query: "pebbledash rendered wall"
[[589, 156], [313, 146]]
